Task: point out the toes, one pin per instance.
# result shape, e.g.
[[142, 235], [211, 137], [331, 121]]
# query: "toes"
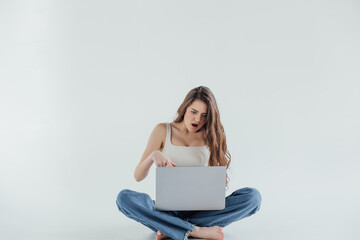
[[221, 233], [160, 235]]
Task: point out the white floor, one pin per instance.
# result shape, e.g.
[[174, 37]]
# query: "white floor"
[[246, 229], [126, 231]]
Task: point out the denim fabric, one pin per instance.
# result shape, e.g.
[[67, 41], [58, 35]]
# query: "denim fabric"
[[175, 224]]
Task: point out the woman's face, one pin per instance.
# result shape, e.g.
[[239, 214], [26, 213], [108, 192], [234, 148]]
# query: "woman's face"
[[195, 115]]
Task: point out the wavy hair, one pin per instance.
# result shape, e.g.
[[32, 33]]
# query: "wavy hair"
[[214, 131]]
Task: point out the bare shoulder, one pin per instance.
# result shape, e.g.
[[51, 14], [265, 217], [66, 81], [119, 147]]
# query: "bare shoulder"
[[158, 135], [160, 129]]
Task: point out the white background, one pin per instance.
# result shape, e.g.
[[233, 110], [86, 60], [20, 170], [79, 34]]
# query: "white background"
[[83, 84]]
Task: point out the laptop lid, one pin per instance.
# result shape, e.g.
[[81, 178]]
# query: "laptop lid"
[[190, 188]]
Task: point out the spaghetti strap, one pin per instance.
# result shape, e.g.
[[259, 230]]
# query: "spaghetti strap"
[[168, 135]]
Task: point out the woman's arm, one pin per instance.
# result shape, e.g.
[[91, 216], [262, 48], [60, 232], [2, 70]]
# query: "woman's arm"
[[152, 153]]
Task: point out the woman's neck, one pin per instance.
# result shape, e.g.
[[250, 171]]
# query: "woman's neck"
[[182, 128]]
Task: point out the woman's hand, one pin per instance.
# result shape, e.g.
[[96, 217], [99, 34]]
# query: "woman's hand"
[[161, 160]]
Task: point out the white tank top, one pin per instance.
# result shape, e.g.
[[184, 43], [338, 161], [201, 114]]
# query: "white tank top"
[[184, 155]]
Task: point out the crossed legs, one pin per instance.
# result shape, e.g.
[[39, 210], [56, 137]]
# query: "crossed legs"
[[178, 224]]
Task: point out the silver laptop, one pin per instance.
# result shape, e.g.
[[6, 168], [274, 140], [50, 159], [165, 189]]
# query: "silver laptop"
[[190, 188]]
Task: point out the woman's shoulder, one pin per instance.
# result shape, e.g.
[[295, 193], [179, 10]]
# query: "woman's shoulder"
[[159, 134], [161, 126], [160, 130]]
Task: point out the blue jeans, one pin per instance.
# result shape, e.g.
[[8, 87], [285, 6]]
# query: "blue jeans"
[[175, 224]]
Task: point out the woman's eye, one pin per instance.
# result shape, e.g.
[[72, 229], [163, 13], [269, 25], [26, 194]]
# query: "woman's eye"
[[193, 112]]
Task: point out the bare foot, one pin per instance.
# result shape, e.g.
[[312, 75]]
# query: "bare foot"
[[215, 232], [160, 235]]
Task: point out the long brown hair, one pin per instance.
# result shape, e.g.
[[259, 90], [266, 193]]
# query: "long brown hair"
[[214, 131]]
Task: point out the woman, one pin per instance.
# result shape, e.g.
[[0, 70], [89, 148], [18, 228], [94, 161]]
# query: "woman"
[[197, 136]]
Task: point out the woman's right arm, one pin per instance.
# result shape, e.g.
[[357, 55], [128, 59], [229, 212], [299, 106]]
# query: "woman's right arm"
[[152, 153]]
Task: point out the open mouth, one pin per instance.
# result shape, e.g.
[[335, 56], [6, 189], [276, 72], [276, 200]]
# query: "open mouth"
[[194, 125]]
